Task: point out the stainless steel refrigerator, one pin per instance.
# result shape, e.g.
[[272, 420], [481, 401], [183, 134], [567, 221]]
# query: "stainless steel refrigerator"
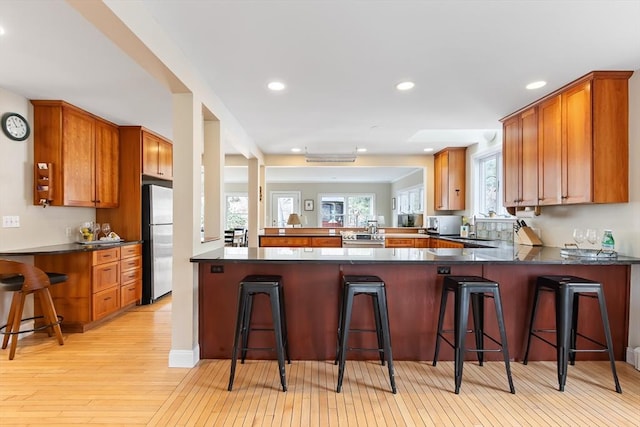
[[157, 247]]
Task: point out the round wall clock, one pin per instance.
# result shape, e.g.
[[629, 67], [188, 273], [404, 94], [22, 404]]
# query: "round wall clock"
[[15, 126]]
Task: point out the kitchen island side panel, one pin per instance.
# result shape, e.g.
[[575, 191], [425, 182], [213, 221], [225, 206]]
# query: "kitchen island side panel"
[[413, 291], [517, 284]]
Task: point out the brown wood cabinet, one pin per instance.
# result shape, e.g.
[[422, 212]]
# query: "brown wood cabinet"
[[399, 242], [301, 241], [449, 179], [101, 284], [583, 142], [130, 275], [126, 219], [83, 151], [440, 243], [157, 158], [520, 159]]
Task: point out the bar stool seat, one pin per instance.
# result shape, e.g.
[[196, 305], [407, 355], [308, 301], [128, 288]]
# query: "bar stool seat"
[[567, 291], [24, 279], [374, 287], [477, 289], [249, 287]]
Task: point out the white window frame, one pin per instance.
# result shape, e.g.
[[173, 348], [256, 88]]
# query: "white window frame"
[[345, 214], [478, 182]]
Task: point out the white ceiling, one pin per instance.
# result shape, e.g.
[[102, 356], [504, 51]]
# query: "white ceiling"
[[470, 60]]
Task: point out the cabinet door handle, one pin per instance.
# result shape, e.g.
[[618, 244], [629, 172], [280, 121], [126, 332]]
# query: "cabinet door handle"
[[107, 299]]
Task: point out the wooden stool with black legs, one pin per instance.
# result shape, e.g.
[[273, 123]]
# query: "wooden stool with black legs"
[[567, 291], [476, 289], [373, 287], [24, 279], [249, 287]]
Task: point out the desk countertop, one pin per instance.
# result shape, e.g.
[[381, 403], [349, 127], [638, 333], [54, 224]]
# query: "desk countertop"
[[64, 248]]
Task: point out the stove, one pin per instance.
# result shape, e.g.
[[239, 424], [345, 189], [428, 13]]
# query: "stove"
[[362, 240]]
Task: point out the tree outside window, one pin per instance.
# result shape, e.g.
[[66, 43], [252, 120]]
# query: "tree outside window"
[[237, 211]]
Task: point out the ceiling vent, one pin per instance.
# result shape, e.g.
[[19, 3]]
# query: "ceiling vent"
[[330, 158]]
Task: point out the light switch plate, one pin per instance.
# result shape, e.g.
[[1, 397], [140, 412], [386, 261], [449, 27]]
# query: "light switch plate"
[[10, 221]]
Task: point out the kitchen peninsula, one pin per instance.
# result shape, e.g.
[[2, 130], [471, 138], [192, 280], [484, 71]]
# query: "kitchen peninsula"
[[414, 277]]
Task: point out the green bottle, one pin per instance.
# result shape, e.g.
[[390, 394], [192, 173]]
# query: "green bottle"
[[608, 244]]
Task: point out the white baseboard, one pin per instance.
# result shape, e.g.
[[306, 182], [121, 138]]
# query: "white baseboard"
[[633, 357], [184, 358]]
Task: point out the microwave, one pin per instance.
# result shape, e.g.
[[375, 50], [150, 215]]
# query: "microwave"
[[444, 225]]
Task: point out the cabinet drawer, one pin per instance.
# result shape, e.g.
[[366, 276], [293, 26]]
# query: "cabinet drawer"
[[131, 263], [130, 251], [423, 242], [128, 294], [106, 255], [105, 276], [285, 241], [326, 242], [129, 275], [106, 302], [399, 243]]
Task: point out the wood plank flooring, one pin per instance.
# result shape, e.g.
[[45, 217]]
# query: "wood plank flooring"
[[117, 375]]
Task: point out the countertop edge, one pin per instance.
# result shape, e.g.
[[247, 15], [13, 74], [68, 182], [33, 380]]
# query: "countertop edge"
[[65, 248]]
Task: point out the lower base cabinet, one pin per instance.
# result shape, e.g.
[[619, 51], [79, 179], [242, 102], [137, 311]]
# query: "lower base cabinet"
[[101, 284]]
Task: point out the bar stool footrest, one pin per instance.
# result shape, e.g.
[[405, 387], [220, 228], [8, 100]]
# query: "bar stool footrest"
[[39, 328]]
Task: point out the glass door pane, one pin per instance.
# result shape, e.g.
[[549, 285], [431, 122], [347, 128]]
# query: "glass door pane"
[[282, 205]]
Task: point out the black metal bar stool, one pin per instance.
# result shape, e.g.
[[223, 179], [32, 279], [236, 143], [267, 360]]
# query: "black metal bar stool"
[[476, 289], [24, 279], [249, 287], [374, 287], [568, 290]]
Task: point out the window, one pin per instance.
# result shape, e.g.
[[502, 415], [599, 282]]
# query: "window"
[[341, 210], [488, 184], [411, 200], [236, 210]]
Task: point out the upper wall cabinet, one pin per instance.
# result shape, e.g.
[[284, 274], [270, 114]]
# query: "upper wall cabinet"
[[82, 151], [520, 157], [583, 144], [134, 143], [157, 158], [449, 179]]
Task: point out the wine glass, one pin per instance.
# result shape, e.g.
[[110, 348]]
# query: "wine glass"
[[106, 229], [96, 231], [578, 236], [592, 236]]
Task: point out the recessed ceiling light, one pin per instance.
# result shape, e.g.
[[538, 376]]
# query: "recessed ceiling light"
[[276, 86], [296, 150], [536, 85], [361, 150], [428, 150], [1, 31], [405, 85]]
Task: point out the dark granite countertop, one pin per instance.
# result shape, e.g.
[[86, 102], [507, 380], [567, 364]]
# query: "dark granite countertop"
[[506, 253], [65, 248]]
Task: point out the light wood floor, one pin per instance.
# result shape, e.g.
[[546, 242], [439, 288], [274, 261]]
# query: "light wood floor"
[[117, 375]]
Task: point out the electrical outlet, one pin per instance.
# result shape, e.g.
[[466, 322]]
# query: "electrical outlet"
[[444, 269], [67, 231], [10, 221], [217, 269]]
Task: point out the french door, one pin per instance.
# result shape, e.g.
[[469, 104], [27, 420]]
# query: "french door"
[[283, 203]]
